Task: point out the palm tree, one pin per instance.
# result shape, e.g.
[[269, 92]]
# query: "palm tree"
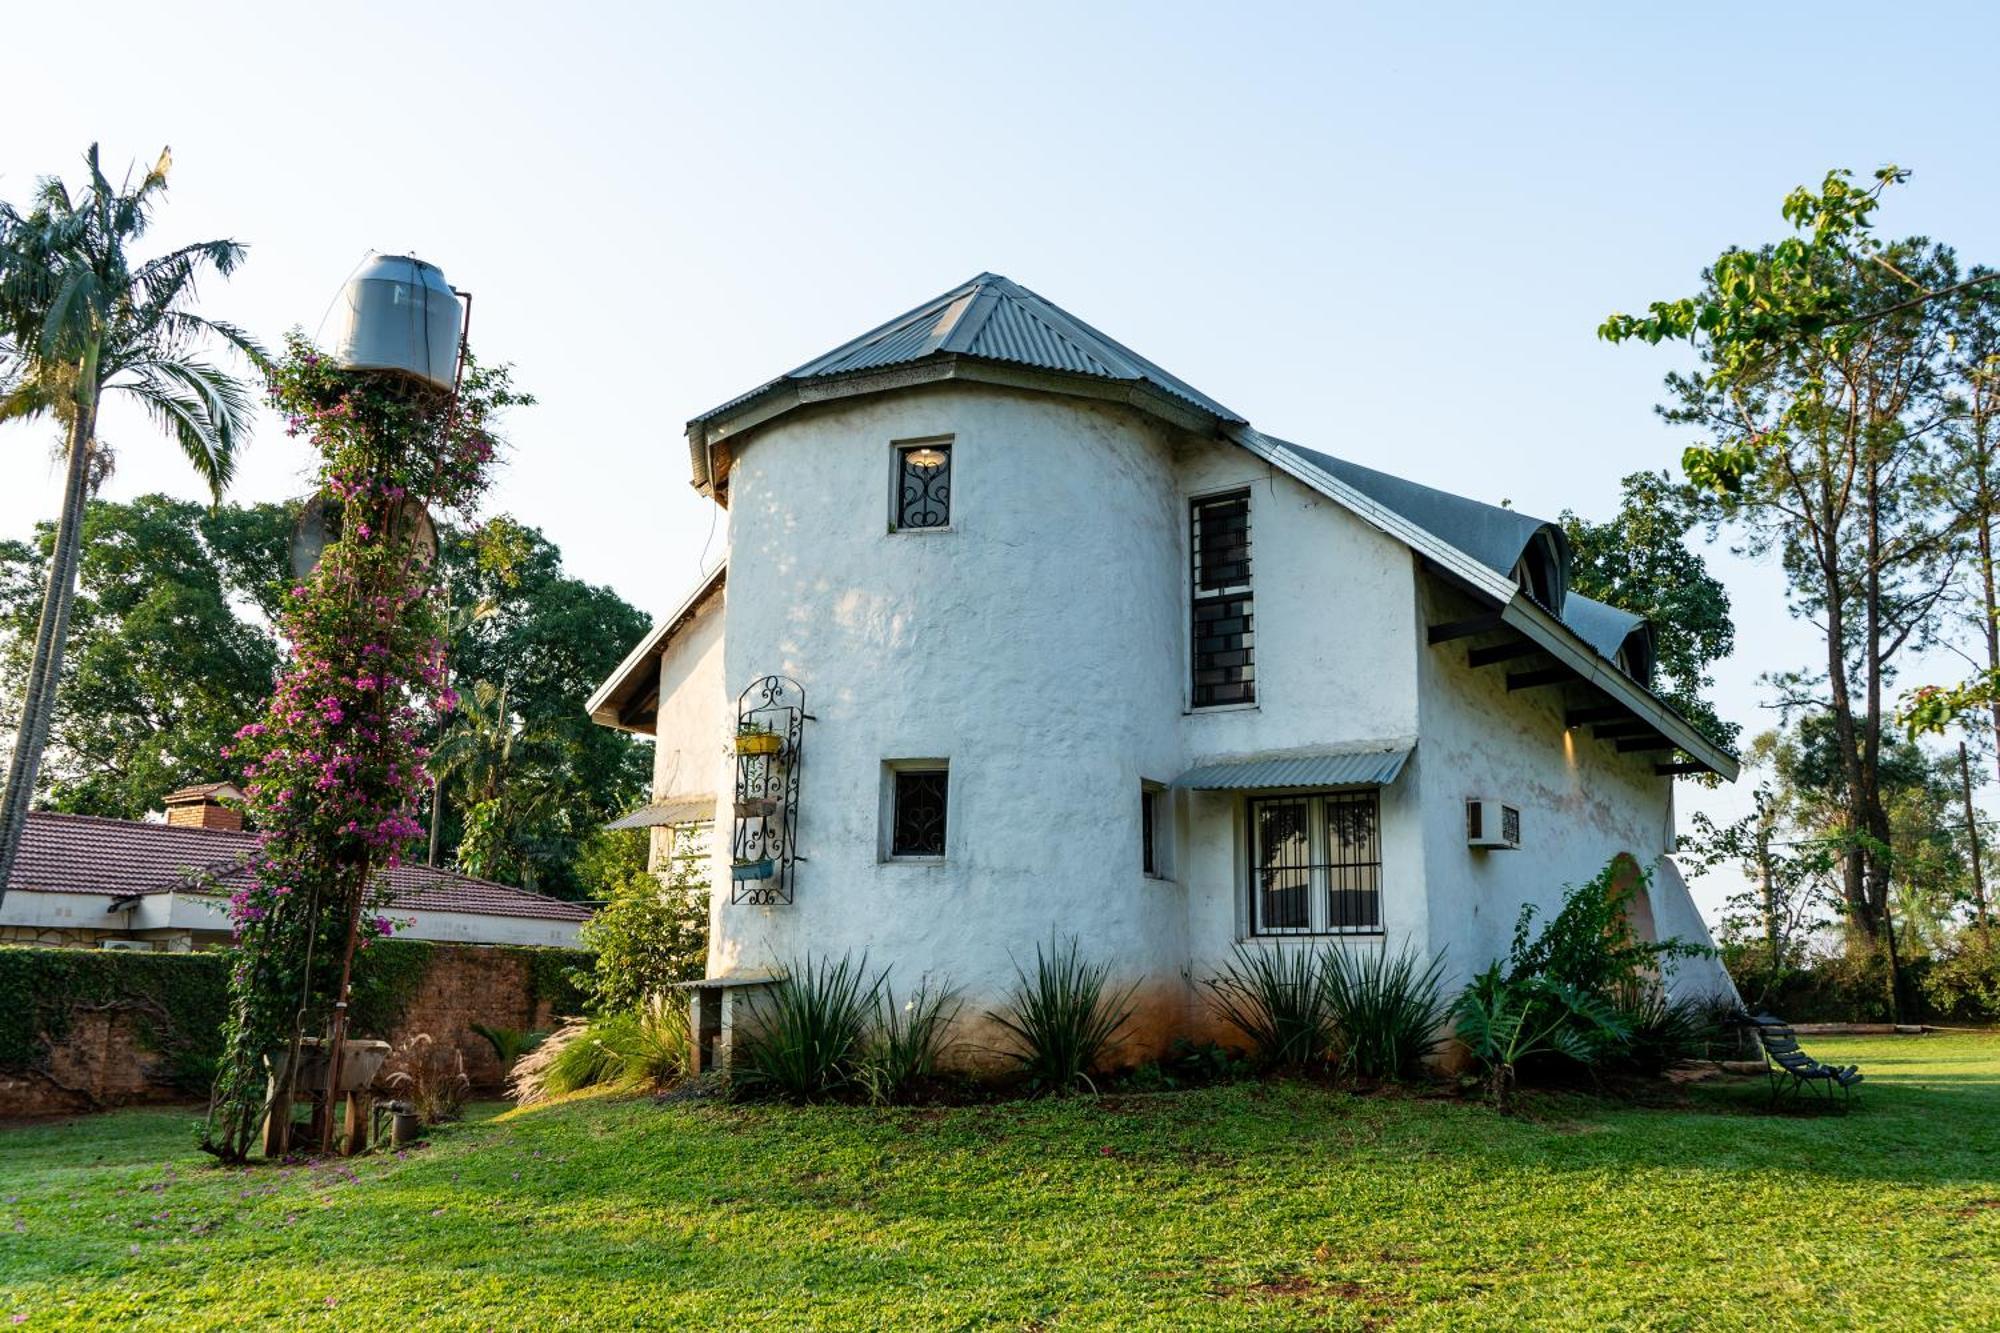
[[481, 753], [79, 319]]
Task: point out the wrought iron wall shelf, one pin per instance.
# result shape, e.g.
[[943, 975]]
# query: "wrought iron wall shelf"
[[770, 750]]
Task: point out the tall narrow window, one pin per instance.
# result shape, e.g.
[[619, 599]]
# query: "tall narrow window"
[[1316, 864], [1156, 822], [917, 807], [921, 493], [1224, 655]]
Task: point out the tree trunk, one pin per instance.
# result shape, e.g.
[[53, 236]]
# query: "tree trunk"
[[1972, 838], [52, 633]]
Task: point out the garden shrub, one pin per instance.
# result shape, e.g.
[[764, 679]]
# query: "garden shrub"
[[807, 1033], [1276, 996], [1963, 980], [1505, 1020], [1387, 1010], [652, 930], [1064, 1020], [909, 1042]]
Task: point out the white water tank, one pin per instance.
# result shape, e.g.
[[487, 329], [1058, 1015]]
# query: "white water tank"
[[398, 313]]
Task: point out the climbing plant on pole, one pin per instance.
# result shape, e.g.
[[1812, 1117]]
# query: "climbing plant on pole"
[[335, 768]]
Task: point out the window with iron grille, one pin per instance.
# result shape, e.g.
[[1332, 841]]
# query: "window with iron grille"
[[918, 802], [1224, 656], [920, 495], [1316, 864]]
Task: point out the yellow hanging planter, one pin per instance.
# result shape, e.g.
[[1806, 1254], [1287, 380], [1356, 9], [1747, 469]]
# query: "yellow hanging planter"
[[759, 742]]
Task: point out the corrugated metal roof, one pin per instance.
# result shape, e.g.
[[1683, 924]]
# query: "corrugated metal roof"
[[679, 810], [993, 319], [1602, 626], [1374, 768]]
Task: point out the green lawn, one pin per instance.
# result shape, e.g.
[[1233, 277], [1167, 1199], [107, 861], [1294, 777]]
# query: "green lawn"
[[1248, 1206]]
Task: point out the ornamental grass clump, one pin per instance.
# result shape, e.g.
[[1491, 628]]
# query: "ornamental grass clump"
[[1276, 997], [808, 1032], [643, 1047], [909, 1043], [1064, 1019], [335, 767], [1387, 1010]]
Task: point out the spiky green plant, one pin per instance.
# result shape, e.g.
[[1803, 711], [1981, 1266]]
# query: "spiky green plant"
[[909, 1042], [1276, 996], [1387, 1010], [1064, 1019], [509, 1044], [807, 1032]]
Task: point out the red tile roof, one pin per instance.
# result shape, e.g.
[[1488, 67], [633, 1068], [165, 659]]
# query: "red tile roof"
[[91, 854]]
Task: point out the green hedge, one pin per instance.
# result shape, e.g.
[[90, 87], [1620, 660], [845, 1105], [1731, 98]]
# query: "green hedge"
[[181, 999]]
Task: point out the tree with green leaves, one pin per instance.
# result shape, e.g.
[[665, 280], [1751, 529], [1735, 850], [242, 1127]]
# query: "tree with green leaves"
[[81, 318], [1821, 390], [163, 662], [1639, 560]]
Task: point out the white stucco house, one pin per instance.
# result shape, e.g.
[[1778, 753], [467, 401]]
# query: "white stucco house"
[[1063, 646]]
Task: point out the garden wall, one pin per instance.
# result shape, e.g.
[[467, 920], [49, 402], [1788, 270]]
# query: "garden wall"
[[88, 1029]]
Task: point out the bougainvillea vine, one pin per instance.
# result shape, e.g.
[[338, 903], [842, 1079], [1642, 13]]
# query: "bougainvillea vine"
[[336, 766]]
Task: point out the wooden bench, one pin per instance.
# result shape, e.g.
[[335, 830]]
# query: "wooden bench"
[[1792, 1070]]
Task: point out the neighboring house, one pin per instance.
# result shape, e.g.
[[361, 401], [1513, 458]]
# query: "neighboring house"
[[87, 882], [1083, 653]]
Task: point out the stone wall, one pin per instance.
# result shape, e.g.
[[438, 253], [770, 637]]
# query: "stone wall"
[[467, 985], [101, 1062]]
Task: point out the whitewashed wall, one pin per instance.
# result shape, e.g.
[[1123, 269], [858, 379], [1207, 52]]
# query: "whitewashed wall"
[[1581, 803], [1336, 658], [1035, 645]]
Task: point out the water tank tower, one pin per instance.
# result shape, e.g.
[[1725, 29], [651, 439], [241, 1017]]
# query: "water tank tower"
[[398, 314]]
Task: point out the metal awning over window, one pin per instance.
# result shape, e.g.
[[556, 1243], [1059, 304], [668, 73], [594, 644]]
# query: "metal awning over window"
[[1349, 768], [677, 810]]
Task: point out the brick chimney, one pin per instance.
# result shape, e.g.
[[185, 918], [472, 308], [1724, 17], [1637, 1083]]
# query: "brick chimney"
[[202, 807]]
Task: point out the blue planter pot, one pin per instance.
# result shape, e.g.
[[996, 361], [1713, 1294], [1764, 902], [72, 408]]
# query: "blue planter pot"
[[752, 869]]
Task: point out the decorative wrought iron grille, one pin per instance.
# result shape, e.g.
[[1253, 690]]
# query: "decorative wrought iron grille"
[[923, 484], [1224, 656], [920, 799], [1316, 864], [770, 753]]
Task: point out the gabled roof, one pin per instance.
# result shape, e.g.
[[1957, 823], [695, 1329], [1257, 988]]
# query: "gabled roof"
[[990, 318], [127, 858]]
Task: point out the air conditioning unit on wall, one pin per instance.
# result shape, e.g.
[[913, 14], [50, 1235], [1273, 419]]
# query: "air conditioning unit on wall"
[[127, 946], [1493, 825]]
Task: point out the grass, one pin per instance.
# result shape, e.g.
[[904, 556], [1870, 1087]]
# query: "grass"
[[1246, 1206]]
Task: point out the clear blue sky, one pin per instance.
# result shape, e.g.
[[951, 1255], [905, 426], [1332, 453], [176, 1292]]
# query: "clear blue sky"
[[1388, 233]]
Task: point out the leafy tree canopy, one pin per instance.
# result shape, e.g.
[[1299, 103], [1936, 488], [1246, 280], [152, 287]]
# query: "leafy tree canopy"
[[163, 663]]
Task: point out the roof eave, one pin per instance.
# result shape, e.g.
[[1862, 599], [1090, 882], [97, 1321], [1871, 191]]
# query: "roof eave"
[[604, 705]]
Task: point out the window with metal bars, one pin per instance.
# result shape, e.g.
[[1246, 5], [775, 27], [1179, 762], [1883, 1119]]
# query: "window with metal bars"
[[919, 801], [1224, 650], [1316, 864]]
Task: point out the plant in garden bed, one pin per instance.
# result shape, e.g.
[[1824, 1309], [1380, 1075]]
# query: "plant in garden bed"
[[336, 766], [909, 1043], [808, 1032], [1276, 997], [509, 1044], [431, 1078], [1387, 1010], [1505, 1021], [1064, 1020], [645, 1046]]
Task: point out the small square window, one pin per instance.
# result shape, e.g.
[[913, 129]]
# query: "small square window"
[[918, 803], [921, 494]]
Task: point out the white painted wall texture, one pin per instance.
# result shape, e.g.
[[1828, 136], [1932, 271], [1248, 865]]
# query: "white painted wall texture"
[[1040, 647]]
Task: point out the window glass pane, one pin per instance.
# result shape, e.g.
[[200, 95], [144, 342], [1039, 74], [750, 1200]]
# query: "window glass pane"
[[918, 828], [1149, 829], [1354, 862], [923, 485], [1282, 871], [1223, 650]]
